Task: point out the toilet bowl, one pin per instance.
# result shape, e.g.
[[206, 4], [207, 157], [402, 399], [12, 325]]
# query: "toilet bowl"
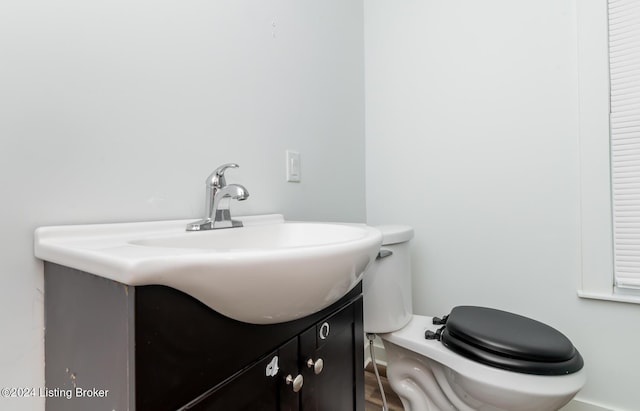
[[479, 359]]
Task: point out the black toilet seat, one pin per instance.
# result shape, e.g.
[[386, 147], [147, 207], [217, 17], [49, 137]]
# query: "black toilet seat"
[[509, 341]]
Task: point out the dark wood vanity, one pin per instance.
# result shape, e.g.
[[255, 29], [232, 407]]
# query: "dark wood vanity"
[[155, 348]]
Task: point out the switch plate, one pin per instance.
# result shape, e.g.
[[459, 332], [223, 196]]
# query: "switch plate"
[[293, 166]]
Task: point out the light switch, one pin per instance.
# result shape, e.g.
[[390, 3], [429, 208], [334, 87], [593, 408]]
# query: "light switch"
[[293, 166]]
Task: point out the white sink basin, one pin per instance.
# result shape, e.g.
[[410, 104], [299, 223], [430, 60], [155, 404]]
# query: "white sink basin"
[[268, 271]]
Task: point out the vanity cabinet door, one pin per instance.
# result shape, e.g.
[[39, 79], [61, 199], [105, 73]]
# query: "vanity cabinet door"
[[260, 387], [251, 390], [334, 341], [290, 380]]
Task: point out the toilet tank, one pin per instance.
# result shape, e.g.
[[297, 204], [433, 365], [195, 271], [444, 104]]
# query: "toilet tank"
[[387, 283]]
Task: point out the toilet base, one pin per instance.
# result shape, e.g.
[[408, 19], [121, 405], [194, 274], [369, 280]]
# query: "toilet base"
[[417, 374]]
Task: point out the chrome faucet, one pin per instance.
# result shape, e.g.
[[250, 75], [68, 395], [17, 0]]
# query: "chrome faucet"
[[217, 202]]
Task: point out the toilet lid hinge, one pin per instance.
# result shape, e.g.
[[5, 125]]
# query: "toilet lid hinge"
[[430, 335], [440, 321]]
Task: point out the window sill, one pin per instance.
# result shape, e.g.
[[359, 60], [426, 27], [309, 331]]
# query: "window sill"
[[620, 298]]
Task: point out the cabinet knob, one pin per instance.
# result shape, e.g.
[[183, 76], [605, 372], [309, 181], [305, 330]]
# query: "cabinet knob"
[[324, 331], [317, 365], [296, 382]]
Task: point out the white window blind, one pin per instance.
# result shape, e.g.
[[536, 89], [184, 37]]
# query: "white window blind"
[[624, 60]]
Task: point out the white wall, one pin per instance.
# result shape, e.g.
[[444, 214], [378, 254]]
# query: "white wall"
[[118, 110], [471, 122]]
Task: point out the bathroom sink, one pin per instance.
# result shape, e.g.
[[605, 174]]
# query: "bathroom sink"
[[268, 271]]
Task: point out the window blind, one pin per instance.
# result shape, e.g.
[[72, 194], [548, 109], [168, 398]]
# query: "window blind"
[[624, 60]]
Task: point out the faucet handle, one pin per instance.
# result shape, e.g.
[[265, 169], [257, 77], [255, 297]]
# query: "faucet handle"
[[216, 179]]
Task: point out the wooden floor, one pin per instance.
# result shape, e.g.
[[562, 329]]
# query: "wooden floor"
[[373, 399]]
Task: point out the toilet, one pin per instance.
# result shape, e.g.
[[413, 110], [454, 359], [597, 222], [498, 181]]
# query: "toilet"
[[474, 359]]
